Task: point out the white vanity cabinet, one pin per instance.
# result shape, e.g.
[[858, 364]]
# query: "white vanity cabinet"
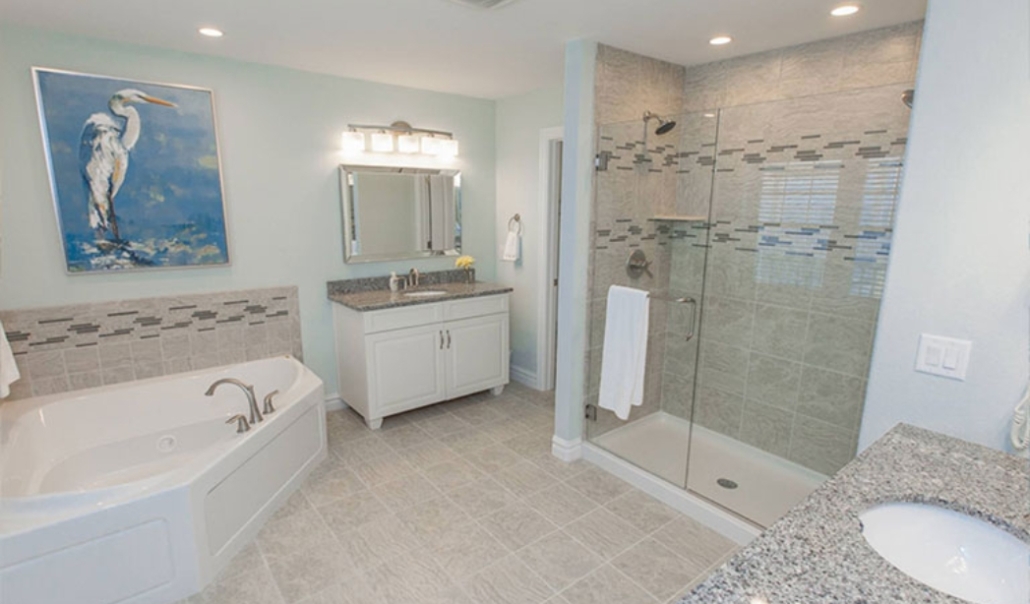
[[397, 359]]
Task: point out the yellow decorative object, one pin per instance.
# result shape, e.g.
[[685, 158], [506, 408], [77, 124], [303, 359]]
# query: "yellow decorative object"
[[464, 262]]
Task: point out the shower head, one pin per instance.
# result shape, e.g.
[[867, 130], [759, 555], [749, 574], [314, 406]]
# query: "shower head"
[[908, 97], [664, 126]]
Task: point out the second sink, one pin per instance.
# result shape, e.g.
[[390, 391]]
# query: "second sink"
[[950, 551]]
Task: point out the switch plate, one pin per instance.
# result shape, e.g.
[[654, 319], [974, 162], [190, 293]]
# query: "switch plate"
[[946, 357]]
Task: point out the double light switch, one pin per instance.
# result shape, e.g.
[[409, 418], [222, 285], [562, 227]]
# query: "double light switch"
[[942, 356]]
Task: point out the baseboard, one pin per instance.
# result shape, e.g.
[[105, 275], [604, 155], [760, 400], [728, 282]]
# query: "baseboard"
[[729, 525], [333, 402], [525, 377], [566, 450]]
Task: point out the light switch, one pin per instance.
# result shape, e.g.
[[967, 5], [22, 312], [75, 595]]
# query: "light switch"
[[946, 357]]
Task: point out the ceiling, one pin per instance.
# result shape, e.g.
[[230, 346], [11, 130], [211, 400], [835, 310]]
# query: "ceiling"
[[440, 45]]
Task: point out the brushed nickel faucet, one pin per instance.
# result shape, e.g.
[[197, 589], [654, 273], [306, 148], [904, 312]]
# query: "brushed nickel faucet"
[[242, 425], [413, 277], [255, 413]]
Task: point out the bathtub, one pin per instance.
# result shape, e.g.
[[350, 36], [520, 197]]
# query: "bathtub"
[[141, 493]]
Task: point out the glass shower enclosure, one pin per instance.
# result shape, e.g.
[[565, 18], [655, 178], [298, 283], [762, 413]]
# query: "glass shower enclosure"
[[767, 228]]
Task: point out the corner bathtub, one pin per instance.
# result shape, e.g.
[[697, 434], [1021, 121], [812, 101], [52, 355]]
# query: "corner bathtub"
[[140, 493]]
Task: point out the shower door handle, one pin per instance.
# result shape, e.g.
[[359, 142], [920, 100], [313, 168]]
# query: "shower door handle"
[[693, 315]]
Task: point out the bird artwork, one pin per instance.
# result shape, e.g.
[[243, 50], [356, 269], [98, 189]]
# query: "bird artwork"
[[136, 184], [104, 156]]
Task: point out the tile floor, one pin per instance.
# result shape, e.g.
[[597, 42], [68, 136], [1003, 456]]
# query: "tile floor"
[[463, 503]]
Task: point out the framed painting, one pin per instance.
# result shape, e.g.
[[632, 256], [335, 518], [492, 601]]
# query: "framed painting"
[[134, 170]]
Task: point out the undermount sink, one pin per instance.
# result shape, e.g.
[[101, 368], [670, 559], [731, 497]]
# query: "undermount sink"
[[426, 293], [950, 551]]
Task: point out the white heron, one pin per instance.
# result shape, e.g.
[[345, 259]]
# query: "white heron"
[[104, 155]]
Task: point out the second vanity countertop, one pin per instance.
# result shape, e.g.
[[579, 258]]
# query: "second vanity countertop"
[[817, 553], [380, 299]]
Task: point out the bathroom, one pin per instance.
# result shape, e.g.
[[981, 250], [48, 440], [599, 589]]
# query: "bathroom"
[[800, 355]]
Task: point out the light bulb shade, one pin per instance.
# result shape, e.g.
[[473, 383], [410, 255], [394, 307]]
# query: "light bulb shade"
[[382, 142], [447, 147], [353, 142], [430, 145], [408, 143]]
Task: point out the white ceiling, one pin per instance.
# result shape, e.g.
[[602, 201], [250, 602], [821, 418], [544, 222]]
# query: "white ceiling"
[[440, 45]]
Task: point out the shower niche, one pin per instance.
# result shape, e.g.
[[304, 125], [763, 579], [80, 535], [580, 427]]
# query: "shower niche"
[[773, 216]]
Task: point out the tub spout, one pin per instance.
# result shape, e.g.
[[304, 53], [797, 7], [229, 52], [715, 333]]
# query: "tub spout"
[[255, 413]]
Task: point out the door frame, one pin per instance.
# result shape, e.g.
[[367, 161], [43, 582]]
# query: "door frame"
[[548, 200]]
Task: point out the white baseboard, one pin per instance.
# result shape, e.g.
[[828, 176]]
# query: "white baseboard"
[[566, 450], [525, 377], [730, 526], [333, 402]]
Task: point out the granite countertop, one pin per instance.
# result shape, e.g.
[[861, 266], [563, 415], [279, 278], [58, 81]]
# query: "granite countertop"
[[816, 553], [380, 298]]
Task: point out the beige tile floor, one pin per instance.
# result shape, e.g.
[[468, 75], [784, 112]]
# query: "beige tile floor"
[[463, 503]]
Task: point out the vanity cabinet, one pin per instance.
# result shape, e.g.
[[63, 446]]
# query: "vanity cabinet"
[[394, 360]]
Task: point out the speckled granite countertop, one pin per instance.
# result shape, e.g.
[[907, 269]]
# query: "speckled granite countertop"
[[816, 553], [380, 299]]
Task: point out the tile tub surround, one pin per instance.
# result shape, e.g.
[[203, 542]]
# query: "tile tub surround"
[[384, 298], [462, 503], [64, 348], [817, 553]]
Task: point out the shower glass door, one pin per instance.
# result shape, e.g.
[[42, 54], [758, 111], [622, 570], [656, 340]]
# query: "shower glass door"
[[652, 195], [802, 208]]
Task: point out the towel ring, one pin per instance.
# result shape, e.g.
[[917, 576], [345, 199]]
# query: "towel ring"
[[517, 221]]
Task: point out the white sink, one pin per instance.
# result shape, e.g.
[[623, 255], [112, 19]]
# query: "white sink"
[[952, 552], [426, 293]]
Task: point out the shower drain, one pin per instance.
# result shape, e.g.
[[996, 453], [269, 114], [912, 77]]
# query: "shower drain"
[[726, 483], [166, 443]]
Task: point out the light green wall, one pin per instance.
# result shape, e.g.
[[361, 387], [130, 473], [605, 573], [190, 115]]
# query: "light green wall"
[[279, 132], [519, 122]]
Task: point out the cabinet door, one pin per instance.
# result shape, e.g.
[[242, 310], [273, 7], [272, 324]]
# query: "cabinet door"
[[405, 368], [478, 354]]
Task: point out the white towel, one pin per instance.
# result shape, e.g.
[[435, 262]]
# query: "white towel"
[[511, 247], [8, 368], [624, 359]]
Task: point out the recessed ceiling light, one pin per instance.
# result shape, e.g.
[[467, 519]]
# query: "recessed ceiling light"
[[211, 32], [844, 10], [720, 40]]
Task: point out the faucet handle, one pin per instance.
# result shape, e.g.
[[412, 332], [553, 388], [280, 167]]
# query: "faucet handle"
[[268, 402], [242, 425]]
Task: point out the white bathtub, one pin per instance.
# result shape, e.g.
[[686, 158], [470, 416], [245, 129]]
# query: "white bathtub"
[[141, 493]]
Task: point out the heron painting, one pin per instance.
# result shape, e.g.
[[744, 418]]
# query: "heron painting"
[[134, 170]]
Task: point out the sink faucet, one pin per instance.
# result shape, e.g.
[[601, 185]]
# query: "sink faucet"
[[413, 277], [255, 413]]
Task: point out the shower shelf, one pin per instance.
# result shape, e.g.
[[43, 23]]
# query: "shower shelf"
[[671, 218]]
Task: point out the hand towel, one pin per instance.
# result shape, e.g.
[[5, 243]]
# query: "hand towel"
[[511, 247], [8, 368], [624, 358]]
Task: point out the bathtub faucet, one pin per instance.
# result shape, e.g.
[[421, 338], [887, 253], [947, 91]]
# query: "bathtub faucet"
[[255, 413]]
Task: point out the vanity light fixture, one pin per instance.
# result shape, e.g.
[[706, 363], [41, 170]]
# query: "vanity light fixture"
[[400, 137], [720, 40], [353, 142], [211, 32], [447, 147], [845, 10], [408, 143], [382, 142]]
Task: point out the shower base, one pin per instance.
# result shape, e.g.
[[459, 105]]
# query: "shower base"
[[751, 483]]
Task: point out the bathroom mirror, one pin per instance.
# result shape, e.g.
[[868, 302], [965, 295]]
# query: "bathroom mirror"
[[392, 213]]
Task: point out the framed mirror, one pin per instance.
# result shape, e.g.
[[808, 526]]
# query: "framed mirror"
[[392, 213]]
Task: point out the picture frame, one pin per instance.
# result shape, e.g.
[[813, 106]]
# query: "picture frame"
[[135, 172]]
